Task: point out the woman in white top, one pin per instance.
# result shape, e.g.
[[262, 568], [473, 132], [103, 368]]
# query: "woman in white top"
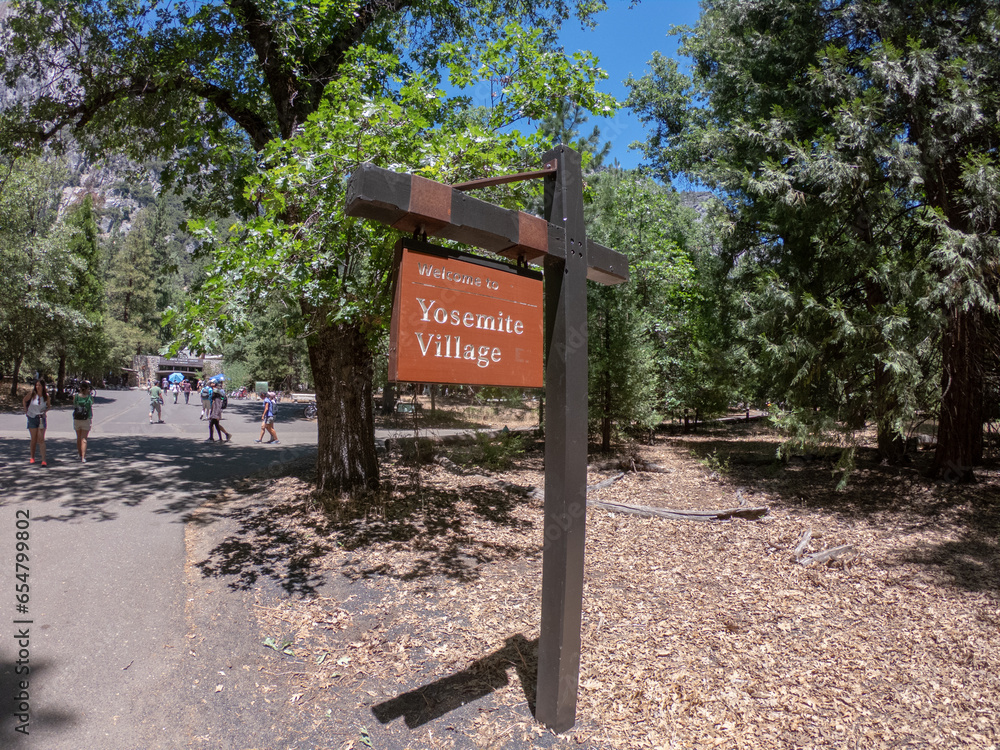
[[36, 404]]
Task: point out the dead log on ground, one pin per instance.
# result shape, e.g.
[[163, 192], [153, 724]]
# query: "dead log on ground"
[[636, 510], [631, 464], [449, 465], [845, 551], [800, 548], [681, 515], [829, 555], [606, 483]]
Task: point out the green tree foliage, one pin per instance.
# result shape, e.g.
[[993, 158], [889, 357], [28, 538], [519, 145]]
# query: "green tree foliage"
[[227, 91], [336, 272], [266, 352], [173, 268], [38, 268], [657, 344], [852, 147], [563, 124], [79, 341], [133, 316]]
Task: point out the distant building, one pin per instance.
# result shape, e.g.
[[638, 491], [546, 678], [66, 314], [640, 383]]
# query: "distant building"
[[152, 366]]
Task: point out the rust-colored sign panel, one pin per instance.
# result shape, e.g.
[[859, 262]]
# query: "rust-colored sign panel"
[[455, 320]]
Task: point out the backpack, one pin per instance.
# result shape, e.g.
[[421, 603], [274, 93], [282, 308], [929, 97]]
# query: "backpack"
[[225, 401], [206, 392]]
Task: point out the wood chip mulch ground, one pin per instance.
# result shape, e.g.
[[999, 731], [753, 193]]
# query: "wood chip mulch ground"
[[410, 619]]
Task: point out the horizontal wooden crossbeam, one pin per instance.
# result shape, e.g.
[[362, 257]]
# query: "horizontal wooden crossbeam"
[[411, 203], [549, 169]]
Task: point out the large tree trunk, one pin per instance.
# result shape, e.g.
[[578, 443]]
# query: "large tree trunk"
[[342, 368], [960, 431], [61, 375], [15, 375]]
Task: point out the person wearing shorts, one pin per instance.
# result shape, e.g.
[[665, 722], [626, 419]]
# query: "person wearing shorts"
[[206, 399], [215, 415], [155, 403], [267, 420], [83, 403], [36, 404]]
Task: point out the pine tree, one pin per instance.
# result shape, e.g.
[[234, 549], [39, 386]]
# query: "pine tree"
[[850, 144]]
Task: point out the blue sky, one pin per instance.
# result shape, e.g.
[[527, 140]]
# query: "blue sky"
[[624, 41]]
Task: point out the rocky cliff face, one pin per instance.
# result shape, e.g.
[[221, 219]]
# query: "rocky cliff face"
[[111, 181]]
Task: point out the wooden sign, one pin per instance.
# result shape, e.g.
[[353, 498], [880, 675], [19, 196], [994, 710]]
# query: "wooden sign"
[[457, 318]]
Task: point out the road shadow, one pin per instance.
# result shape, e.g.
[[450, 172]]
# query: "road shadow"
[[264, 542], [11, 696], [172, 474], [481, 678]]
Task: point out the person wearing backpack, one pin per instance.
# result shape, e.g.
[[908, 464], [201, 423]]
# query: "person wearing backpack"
[[206, 399], [156, 404], [83, 418]]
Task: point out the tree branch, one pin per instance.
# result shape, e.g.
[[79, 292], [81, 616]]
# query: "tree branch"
[[324, 67], [282, 83]]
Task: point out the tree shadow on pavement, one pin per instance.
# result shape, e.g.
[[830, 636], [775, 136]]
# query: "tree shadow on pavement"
[[261, 545], [173, 475], [46, 716]]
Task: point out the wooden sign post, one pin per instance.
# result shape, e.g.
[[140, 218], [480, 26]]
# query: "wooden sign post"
[[413, 204], [565, 448]]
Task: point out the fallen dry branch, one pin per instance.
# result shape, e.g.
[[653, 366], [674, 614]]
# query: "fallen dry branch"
[[799, 555], [800, 548], [631, 464], [446, 463], [606, 483], [681, 515], [829, 555], [635, 510]]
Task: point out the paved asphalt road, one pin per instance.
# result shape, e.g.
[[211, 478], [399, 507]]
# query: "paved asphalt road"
[[111, 632]]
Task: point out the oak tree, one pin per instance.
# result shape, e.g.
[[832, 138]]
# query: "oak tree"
[[225, 90]]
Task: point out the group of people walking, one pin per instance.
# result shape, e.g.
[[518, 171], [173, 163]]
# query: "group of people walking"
[[213, 401], [38, 402]]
